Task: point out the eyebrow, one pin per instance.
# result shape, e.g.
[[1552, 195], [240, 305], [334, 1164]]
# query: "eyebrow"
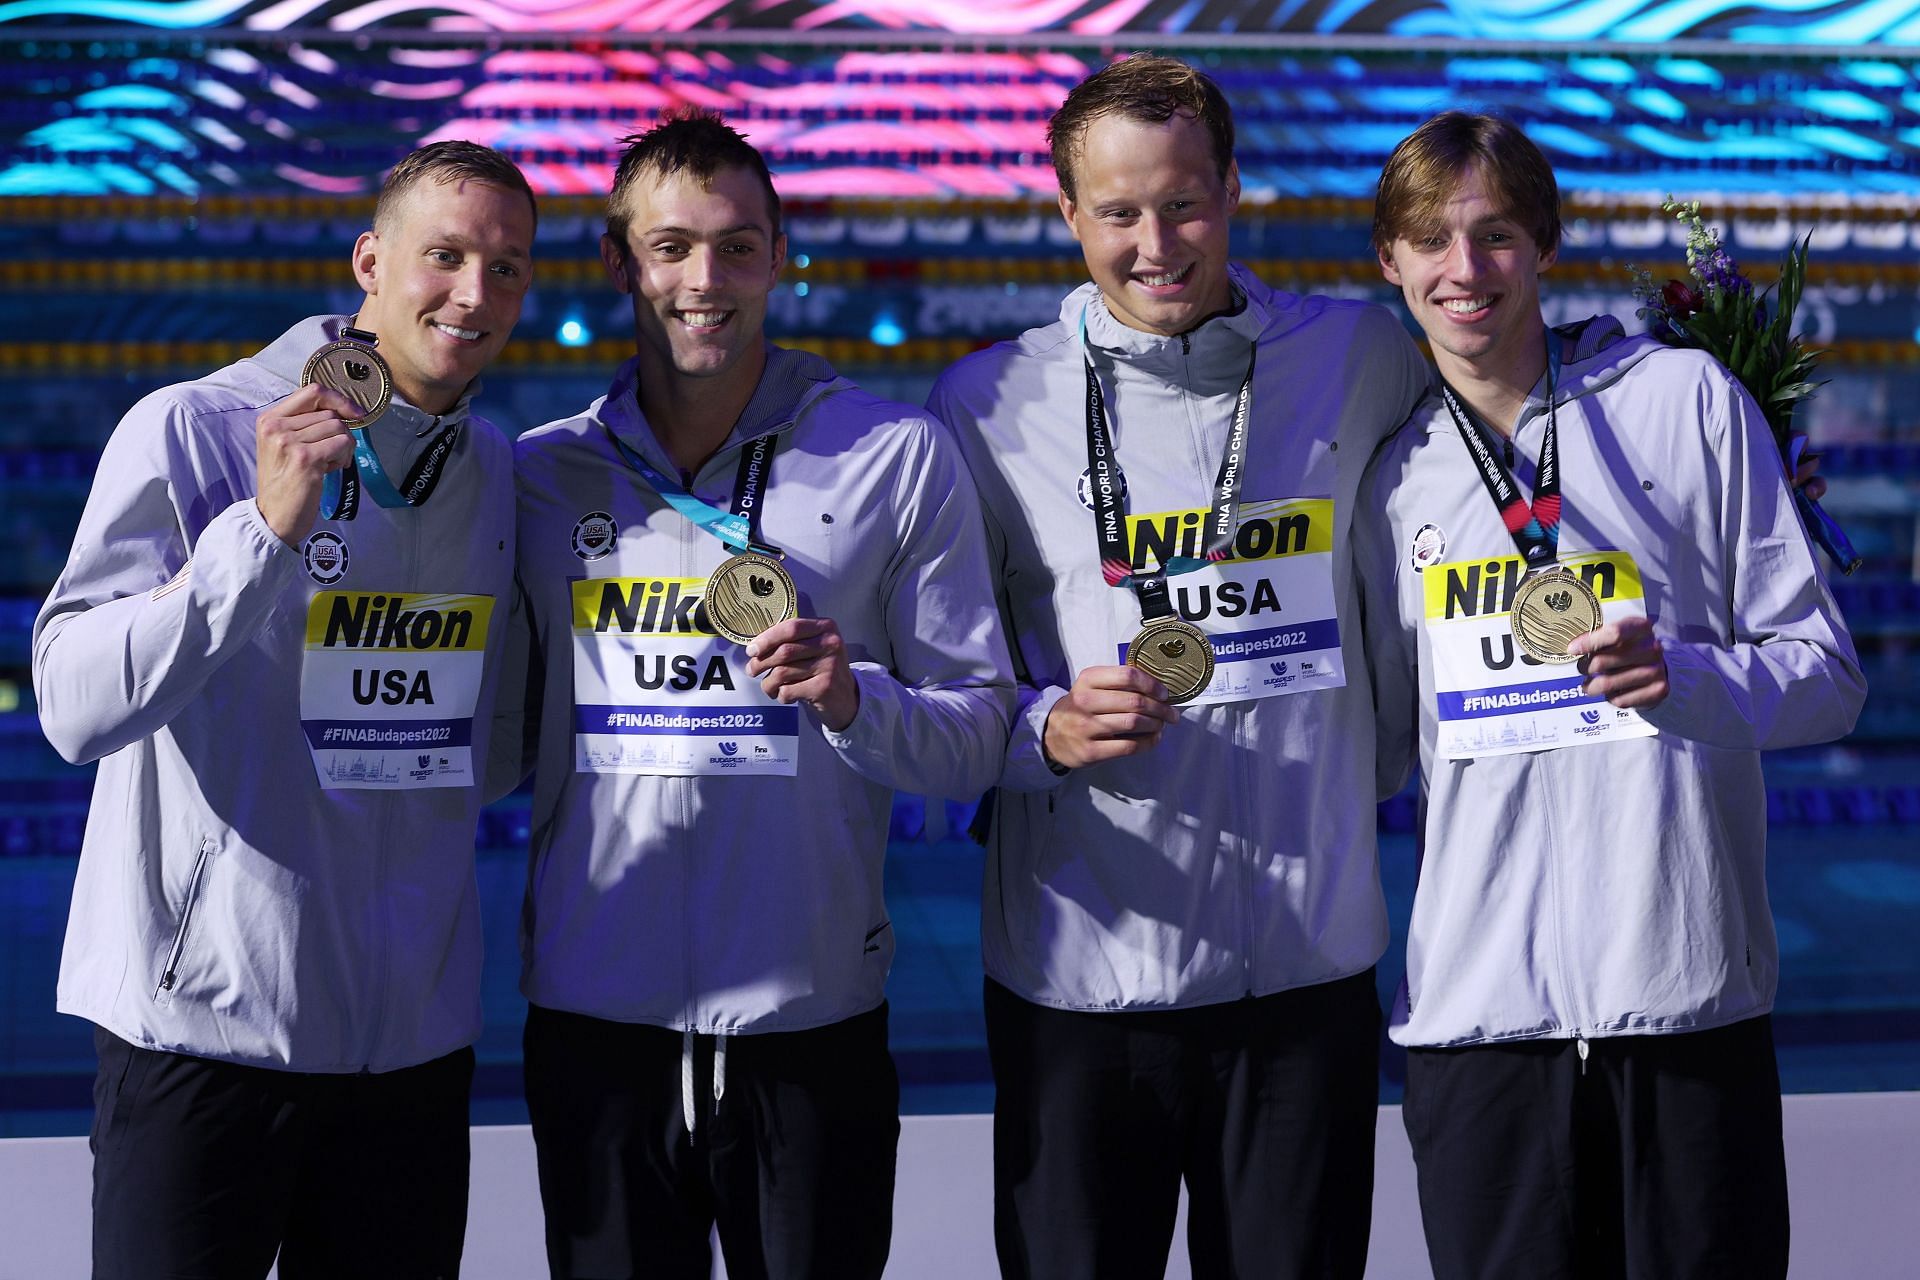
[[466, 242], [689, 233]]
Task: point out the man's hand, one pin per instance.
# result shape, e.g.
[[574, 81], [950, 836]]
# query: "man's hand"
[[1624, 663], [1110, 712], [1806, 475], [805, 660], [300, 439]]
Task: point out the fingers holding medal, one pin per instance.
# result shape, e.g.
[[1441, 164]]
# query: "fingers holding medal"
[[1551, 609], [748, 594], [1177, 654], [356, 371]]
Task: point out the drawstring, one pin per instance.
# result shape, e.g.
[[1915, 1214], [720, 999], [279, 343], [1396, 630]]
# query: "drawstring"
[[686, 1081], [688, 1112]]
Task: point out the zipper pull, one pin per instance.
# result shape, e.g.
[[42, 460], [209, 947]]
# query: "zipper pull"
[[1580, 1047]]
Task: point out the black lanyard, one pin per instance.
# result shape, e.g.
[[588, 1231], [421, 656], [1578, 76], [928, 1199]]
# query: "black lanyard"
[[739, 528], [340, 500], [1535, 526], [1110, 522]]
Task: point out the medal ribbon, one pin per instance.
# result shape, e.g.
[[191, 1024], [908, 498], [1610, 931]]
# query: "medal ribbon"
[[1104, 479], [1535, 527], [739, 529], [340, 491]]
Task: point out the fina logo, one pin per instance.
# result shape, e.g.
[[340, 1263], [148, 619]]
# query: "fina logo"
[[1591, 717], [729, 748]]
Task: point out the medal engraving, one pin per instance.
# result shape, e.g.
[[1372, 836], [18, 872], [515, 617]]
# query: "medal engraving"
[[357, 372], [747, 594], [1177, 654], [1550, 609]]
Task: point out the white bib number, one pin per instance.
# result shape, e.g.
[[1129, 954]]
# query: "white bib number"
[[1493, 699], [1269, 610], [389, 685], [655, 690]]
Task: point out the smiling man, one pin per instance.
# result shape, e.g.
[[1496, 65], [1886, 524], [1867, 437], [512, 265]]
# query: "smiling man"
[[761, 602], [279, 638], [1593, 606], [1182, 903]]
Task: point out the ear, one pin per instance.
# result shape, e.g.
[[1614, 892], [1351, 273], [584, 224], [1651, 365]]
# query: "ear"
[[1387, 269], [1233, 187], [1067, 208], [614, 259], [779, 256], [366, 262], [1548, 257]]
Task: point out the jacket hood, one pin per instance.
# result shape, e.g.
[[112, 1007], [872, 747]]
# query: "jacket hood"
[[1594, 354], [1252, 314], [790, 385], [286, 357]]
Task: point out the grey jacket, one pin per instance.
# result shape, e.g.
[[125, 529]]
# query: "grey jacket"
[[1617, 887], [740, 904], [228, 904], [1238, 857]]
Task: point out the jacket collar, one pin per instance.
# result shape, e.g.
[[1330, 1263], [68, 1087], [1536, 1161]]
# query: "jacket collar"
[[1594, 354], [1216, 348], [791, 384]]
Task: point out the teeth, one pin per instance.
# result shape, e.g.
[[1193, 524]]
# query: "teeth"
[[1466, 306], [1171, 277], [704, 319], [470, 335]]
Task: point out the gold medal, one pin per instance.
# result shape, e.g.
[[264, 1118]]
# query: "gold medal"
[[356, 371], [1177, 654], [1550, 609], [747, 594]]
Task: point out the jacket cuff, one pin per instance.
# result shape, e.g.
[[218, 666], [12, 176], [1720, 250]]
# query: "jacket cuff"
[[1680, 707], [1027, 768], [864, 743]]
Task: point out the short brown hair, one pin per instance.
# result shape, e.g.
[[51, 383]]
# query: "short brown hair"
[[687, 140], [451, 161], [1146, 88], [1425, 168]]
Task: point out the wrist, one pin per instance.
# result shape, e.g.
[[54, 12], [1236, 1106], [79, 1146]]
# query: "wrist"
[[842, 705], [1046, 747]]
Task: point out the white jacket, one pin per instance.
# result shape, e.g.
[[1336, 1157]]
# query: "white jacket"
[[1618, 887], [739, 904], [228, 905], [1238, 857]]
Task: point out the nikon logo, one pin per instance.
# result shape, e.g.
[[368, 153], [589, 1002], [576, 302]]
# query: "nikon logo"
[[385, 622], [1475, 589], [1159, 538], [650, 606]]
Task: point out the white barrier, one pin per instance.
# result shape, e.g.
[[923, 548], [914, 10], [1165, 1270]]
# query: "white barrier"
[[1853, 1163]]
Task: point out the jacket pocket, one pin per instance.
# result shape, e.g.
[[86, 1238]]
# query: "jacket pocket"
[[169, 972]]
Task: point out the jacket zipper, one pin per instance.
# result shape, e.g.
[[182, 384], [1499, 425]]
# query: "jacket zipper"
[[682, 790], [169, 974], [1242, 818], [409, 541], [1560, 933]]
